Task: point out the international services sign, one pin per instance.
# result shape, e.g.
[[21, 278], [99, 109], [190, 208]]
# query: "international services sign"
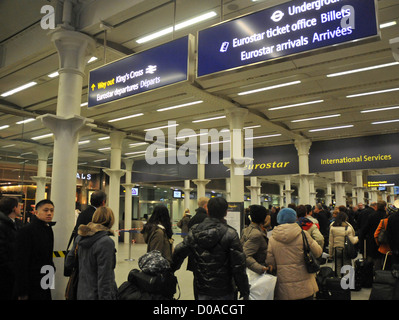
[[294, 27], [141, 72]]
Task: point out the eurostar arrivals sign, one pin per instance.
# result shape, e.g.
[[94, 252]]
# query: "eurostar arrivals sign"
[[147, 70], [291, 28]]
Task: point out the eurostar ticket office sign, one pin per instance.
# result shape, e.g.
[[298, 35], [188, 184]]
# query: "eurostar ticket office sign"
[[157, 67], [291, 28]]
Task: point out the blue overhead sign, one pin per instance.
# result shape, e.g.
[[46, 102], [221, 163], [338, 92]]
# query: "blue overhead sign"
[[291, 28], [151, 69]]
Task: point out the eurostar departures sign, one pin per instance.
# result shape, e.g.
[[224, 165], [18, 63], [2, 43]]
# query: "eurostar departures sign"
[[291, 28], [151, 69]]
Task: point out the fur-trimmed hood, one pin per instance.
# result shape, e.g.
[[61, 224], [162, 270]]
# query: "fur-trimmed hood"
[[91, 232]]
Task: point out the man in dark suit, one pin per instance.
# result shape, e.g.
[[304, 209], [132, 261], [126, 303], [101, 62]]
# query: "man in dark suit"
[[97, 199]]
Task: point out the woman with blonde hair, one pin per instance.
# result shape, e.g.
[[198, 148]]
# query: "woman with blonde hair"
[[96, 258]]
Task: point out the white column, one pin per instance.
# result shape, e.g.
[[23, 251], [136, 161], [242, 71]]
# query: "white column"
[[281, 194], [303, 147], [187, 191], [73, 50], [41, 178], [373, 195], [329, 194], [312, 191], [359, 187], [340, 196], [236, 162], [287, 191], [201, 182], [228, 190], [255, 190], [128, 185]]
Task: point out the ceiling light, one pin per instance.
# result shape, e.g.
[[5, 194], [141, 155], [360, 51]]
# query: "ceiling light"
[[180, 106], [381, 109], [136, 152], [99, 160], [84, 104], [269, 88], [42, 136], [83, 142], [362, 69], [296, 105], [132, 145], [178, 26], [370, 93], [26, 121], [92, 59], [103, 138], [331, 128], [209, 119], [191, 135], [25, 86], [127, 117], [53, 75], [9, 146], [387, 24], [252, 127], [104, 149], [261, 137], [162, 127], [317, 118], [4, 127], [384, 122]]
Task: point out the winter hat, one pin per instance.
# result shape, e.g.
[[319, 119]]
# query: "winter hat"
[[392, 209], [286, 215]]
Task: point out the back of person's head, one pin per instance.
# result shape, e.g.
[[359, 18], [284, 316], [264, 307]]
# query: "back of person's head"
[[258, 213], [301, 211], [160, 215], [286, 215], [292, 205], [202, 201], [381, 205], [7, 204], [104, 216], [97, 198], [308, 208], [217, 207], [343, 209], [340, 218], [42, 203]]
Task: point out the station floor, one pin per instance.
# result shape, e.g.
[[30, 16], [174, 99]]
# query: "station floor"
[[184, 277]]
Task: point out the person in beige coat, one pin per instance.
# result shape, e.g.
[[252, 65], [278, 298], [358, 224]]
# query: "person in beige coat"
[[285, 254], [338, 230]]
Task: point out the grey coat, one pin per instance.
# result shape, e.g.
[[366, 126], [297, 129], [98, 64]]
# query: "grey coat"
[[96, 255]]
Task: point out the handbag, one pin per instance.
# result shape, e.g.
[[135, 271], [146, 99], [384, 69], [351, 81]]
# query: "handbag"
[[350, 251], [311, 262], [261, 285], [71, 291]]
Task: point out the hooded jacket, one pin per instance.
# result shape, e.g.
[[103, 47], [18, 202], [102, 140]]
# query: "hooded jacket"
[[254, 241], [96, 256], [308, 225], [218, 258], [285, 253]]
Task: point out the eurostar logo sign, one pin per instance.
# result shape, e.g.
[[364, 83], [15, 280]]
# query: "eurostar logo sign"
[[277, 16]]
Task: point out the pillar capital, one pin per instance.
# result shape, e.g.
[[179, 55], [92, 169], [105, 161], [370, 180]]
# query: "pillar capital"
[[114, 172], [303, 146], [236, 117]]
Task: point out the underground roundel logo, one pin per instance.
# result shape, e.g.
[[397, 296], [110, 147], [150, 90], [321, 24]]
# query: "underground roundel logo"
[[277, 16]]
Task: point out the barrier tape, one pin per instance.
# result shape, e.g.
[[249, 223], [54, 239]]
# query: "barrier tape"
[[59, 254]]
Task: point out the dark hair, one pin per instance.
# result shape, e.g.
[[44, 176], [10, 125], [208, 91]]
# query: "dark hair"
[[340, 218], [301, 211], [160, 215], [43, 202], [258, 213], [217, 207], [381, 205], [7, 204], [308, 208], [97, 198]]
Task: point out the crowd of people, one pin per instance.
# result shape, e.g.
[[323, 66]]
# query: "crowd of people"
[[219, 256]]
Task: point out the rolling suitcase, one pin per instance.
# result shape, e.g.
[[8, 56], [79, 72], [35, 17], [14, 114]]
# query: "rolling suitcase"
[[364, 271], [385, 285]]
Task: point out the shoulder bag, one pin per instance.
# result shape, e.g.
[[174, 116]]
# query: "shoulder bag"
[[71, 291], [382, 236], [311, 262]]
